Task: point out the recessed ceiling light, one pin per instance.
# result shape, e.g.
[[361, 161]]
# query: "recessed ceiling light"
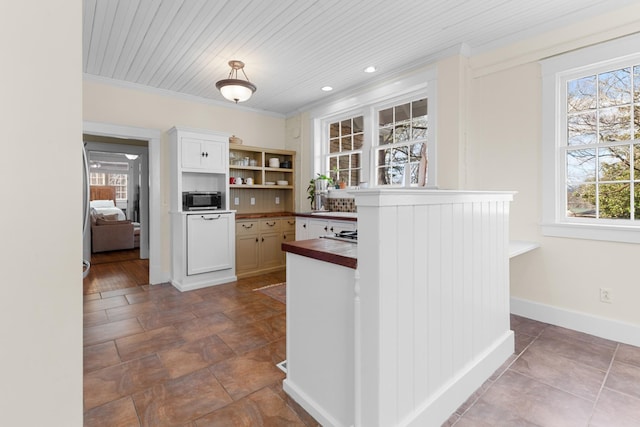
[[327, 88], [370, 69]]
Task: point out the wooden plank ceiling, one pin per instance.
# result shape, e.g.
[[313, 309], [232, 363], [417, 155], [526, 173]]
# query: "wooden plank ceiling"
[[292, 48]]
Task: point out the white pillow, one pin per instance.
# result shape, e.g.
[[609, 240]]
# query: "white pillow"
[[102, 204]]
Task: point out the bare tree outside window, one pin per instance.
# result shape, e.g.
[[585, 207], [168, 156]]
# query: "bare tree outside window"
[[603, 145], [402, 143]]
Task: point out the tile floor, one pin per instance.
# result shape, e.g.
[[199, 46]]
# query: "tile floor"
[[154, 356], [558, 377]]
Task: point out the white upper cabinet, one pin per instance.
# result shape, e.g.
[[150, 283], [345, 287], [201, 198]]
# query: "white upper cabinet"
[[203, 155]]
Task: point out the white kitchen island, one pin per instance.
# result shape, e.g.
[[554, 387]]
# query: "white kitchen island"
[[408, 333]]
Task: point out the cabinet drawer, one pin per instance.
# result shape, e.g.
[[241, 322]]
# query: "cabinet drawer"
[[244, 228], [271, 224], [289, 224]]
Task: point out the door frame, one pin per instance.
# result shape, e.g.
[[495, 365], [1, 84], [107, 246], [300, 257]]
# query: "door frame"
[[153, 137]]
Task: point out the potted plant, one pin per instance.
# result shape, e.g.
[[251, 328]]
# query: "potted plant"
[[338, 183], [313, 184]]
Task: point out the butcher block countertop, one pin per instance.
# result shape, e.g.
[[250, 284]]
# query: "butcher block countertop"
[[263, 215], [327, 250]]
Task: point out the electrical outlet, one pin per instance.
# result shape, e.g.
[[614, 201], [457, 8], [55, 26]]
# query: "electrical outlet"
[[253, 201], [277, 200], [236, 201], [606, 295]]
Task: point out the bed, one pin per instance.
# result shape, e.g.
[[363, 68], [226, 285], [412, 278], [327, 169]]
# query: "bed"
[[110, 229], [103, 201]]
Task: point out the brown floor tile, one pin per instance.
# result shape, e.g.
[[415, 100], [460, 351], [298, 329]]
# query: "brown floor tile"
[[243, 338], [94, 318], [117, 292], [109, 331], [130, 311], [625, 379], [155, 293], [220, 304], [195, 355], [563, 333], [113, 382], [526, 326], [120, 412], [560, 372], [516, 400], [579, 351], [307, 419], [616, 409], [250, 372], [522, 341], [103, 304], [264, 408], [100, 356], [91, 296], [274, 328], [474, 397], [158, 319], [202, 327], [181, 400], [628, 354], [139, 345]]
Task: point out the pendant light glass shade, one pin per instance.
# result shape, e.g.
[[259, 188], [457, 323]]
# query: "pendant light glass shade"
[[235, 89]]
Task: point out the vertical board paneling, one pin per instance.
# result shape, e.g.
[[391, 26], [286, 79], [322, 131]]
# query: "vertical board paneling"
[[420, 301], [457, 276], [388, 235], [406, 319], [446, 284], [433, 298], [443, 300]]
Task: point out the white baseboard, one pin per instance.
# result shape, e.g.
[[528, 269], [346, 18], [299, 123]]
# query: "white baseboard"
[[310, 405], [184, 286], [439, 407], [602, 327]]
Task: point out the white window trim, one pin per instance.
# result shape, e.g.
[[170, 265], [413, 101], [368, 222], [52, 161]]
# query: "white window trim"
[[410, 87], [554, 221]]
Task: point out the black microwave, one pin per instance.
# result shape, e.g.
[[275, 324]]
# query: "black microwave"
[[201, 200]]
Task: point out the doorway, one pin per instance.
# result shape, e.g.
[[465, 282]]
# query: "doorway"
[[107, 135]]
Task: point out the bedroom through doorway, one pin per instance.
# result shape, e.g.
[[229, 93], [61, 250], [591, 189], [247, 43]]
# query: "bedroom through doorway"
[[117, 235]]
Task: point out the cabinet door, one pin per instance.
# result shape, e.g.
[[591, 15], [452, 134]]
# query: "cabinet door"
[[208, 243], [317, 228], [215, 159], [192, 153], [199, 154], [287, 236], [270, 250], [338, 226], [247, 256], [301, 228]]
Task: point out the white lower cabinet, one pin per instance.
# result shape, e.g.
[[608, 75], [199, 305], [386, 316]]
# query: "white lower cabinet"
[[203, 249], [312, 228], [208, 243]]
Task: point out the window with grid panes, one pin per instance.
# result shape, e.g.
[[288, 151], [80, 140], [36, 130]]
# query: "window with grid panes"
[[602, 144], [118, 180], [344, 158], [591, 145], [402, 143]]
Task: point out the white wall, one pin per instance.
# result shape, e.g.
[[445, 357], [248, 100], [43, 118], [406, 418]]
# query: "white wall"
[[504, 152], [139, 108], [40, 165]]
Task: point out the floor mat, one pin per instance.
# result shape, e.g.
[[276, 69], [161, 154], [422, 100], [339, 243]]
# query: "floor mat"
[[276, 291]]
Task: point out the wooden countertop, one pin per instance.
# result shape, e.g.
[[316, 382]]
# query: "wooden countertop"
[[263, 215], [327, 250], [328, 215]]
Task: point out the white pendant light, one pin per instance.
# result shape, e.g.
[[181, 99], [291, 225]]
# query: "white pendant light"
[[235, 89]]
